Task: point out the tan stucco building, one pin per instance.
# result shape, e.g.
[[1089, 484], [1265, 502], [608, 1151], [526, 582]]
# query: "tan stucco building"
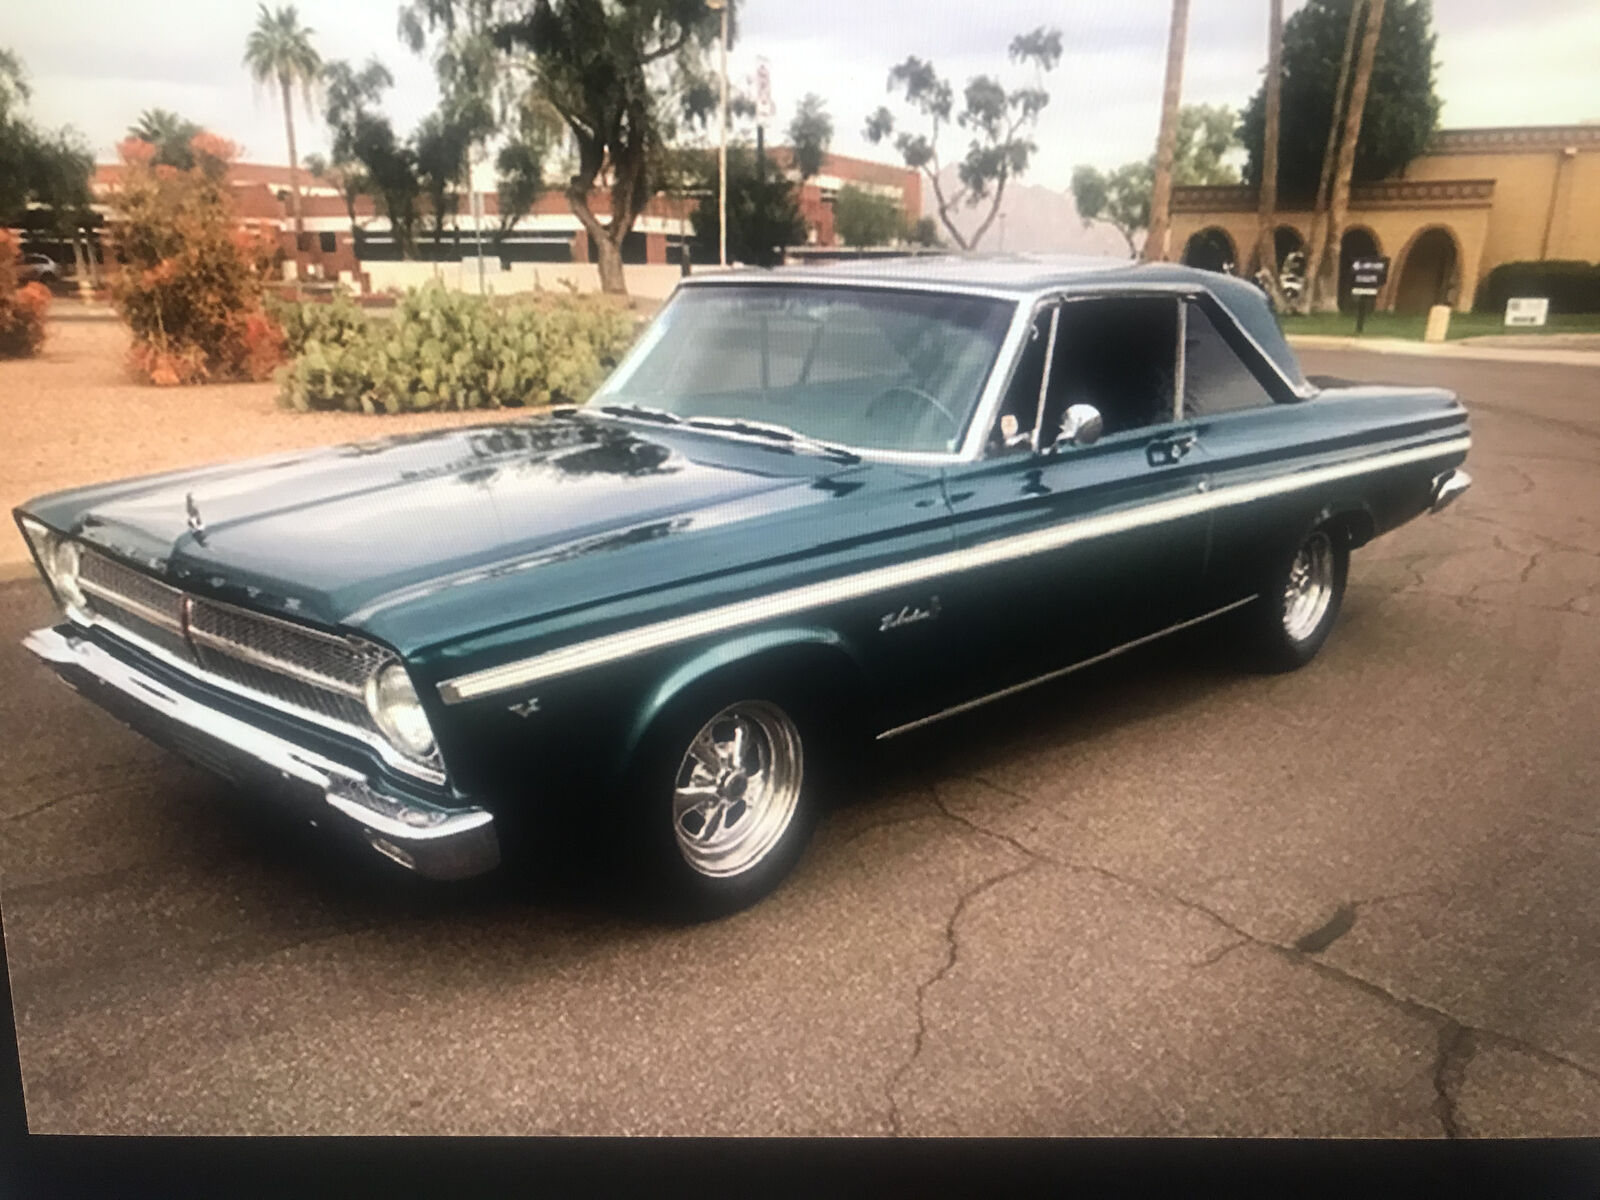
[[1477, 198]]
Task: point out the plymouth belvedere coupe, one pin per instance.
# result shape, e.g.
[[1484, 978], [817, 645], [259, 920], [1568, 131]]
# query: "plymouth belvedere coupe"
[[810, 507]]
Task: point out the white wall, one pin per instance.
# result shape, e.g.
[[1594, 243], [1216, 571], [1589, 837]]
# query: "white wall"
[[648, 281]]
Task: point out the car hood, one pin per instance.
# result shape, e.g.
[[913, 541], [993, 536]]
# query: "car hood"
[[343, 534]]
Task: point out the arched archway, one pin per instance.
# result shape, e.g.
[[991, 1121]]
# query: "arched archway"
[[1357, 242], [1429, 271], [1286, 241], [1211, 250]]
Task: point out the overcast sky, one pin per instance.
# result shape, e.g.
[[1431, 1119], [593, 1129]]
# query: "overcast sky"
[[95, 64]]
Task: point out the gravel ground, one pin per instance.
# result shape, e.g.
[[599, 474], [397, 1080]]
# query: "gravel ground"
[[75, 415]]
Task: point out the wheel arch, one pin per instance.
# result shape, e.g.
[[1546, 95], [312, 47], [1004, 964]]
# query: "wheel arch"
[[813, 656], [1351, 520]]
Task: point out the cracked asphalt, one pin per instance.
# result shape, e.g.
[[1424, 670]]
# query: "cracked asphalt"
[[1160, 897]]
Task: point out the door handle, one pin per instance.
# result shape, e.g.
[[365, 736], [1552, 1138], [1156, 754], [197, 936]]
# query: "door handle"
[[1170, 450]]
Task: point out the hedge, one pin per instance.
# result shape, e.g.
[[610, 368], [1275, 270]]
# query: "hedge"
[[1571, 286]]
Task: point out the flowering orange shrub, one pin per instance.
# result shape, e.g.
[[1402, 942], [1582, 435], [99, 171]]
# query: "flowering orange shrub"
[[191, 283], [22, 309]]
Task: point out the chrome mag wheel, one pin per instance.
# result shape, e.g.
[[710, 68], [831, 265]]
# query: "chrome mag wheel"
[[1309, 590], [737, 788]]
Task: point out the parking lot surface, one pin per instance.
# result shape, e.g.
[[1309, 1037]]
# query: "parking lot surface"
[[1163, 896]]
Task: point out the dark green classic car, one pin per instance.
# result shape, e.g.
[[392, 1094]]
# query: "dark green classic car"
[[811, 507]]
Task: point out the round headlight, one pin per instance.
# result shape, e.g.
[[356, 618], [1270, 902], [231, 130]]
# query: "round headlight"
[[393, 703], [64, 559]]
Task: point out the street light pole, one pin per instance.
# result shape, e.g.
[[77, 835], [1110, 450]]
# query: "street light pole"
[[722, 148]]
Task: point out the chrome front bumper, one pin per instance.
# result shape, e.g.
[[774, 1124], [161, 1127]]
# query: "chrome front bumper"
[[1447, 486], [440, 844]]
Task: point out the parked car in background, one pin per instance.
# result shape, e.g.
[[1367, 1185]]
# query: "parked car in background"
[[813, 507], [38, 268]]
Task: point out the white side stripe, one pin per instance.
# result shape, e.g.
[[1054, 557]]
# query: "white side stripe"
[[629, 642]]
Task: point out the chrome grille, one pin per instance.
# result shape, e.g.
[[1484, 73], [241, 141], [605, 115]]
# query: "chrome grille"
[[317, 674], [135, 603], [312, 671]]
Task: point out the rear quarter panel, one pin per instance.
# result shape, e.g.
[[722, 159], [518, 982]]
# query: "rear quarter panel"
[[1363, 456]]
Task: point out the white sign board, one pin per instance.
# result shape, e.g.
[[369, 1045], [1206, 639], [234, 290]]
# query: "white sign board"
[[1527, 310]]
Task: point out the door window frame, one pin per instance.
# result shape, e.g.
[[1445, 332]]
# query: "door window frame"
[[1054, 303]]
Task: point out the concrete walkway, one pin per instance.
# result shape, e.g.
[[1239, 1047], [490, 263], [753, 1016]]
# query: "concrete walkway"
[[1559, 349]]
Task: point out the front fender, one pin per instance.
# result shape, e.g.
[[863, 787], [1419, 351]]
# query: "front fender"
[[780, 651]]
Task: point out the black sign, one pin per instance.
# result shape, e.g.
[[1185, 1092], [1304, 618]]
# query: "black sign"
[[1367, 275]]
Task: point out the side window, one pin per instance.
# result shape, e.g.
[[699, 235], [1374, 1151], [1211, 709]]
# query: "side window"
[[1119, 354], [1215, 379]]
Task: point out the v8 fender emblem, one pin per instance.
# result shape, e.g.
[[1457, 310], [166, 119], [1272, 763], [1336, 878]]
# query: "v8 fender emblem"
[[527, 708]]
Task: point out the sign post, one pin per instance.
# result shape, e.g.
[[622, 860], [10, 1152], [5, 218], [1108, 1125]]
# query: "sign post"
[[1367, 276]]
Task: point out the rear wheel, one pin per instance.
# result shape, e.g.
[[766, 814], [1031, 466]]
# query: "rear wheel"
[[724, 801], [1291, 619]]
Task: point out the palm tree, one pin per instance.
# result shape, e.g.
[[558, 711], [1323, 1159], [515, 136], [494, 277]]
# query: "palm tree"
[[1327, 299], [279, 50], [1267, 218], [168, 133], [1160, 231], [1330, 148]]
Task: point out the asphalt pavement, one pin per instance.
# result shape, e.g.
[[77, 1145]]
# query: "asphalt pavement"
[[1161, 897]]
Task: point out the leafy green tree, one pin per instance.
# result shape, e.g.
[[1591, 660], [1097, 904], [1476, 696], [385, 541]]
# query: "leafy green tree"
[[169, 133], [810, 134], [1120, 197], [348, 95], [924, 232], [279, 50], [615, 73], [440, 146], [1206, 134], [763, 213], [1401, 110], [996, 120], [391, 165], [39, 167], [863, 218]]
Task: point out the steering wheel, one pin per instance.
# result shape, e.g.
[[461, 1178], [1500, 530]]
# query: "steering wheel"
[[925, 399]]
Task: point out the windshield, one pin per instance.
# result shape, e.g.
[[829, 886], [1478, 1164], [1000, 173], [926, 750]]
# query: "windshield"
[[868, 368]]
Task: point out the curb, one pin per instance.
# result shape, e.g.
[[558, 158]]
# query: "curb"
[[1459, 350]]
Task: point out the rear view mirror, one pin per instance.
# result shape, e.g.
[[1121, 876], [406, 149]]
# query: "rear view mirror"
[[1080, 426]]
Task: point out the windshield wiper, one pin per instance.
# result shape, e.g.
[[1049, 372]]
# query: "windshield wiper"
[[777, 433], [642, 412]]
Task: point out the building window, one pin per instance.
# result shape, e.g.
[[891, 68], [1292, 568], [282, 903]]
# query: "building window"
[[327, 240], [302, 243]]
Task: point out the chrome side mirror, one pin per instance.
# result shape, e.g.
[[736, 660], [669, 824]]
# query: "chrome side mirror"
[[1080, 426]]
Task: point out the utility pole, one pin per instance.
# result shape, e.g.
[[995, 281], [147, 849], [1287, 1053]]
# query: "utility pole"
[[1156, 241], [721, 6]]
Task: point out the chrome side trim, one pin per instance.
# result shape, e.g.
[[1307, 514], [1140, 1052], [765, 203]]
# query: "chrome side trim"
[[969, 705], [440, 845], [626, 643], [1447, 487]]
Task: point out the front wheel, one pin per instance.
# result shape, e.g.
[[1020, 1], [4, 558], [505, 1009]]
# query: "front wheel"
[[1296, 610], [723, 803]]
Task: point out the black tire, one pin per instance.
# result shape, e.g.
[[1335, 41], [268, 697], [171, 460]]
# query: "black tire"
[[675, 873], [1285, 633]]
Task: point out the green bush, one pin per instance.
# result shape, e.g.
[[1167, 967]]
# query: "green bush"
[[337, 322], [1571, 286], [450, 350]]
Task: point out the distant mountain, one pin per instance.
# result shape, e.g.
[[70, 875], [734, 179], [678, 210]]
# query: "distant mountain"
[[1035, 218]]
